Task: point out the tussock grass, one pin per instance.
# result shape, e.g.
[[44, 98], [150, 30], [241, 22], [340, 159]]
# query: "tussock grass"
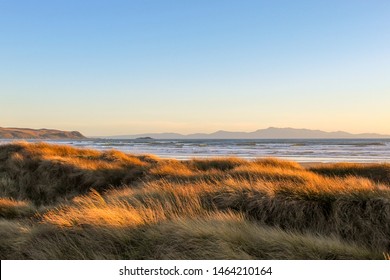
[[274, 162], [58, 202], [228, 236], [12, 235], [94, 210], [10, 208], [218, 236], [171, 168], [359, 217], [46, 173], [272, 173], [222, 164], [375, 172]]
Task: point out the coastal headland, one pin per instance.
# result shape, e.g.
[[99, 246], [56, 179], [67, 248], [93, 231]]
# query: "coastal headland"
[[28, 133], [60, 202]]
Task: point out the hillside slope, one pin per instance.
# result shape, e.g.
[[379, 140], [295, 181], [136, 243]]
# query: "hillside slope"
[[28, 133]]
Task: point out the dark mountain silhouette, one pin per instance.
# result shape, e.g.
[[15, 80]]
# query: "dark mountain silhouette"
[[268, 133]]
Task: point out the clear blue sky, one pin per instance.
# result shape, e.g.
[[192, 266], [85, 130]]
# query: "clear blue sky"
[[123, 67]]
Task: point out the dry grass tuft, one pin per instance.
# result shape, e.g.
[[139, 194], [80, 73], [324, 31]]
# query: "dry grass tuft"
[[11, 209], [93, 210], [222, 164], [274, 162], [172, 168], [375, 172]]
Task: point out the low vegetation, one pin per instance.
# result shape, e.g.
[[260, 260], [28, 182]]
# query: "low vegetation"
[[59, 202]]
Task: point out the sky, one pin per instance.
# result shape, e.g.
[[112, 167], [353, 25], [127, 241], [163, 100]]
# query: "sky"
[[126, 67]]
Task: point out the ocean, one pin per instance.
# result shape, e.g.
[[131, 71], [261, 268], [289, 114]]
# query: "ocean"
[[300, 150]]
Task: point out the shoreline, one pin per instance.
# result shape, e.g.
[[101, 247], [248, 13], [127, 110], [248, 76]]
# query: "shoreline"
[[306, 153]]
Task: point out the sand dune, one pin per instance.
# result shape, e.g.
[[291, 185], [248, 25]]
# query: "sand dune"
[[59, 202]]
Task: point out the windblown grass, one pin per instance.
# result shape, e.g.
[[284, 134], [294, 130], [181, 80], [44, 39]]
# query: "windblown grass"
[[58, 202], [46, 173], [375, 172], [10, 208]]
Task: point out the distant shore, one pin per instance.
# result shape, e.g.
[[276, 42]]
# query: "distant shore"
[[301, 150]]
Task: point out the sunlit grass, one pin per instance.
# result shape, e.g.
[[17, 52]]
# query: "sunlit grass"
[[171, 168], [93, 210]]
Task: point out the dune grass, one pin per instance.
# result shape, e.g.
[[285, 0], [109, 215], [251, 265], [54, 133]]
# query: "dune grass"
[[375, 172], [59, 202]]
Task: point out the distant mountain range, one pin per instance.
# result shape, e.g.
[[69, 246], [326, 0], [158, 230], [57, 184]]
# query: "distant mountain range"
[[268, 133], [28, 133]]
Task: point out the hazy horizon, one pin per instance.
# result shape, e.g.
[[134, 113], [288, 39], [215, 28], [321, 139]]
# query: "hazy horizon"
[[203, 132], [237, 131], [116, 67]]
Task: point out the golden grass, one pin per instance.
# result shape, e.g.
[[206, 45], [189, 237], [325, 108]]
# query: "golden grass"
[[94, 211], [52, 149], [10, 208], [47, 173], [274, 162], [59, 202], [171, 168], [82, 158]]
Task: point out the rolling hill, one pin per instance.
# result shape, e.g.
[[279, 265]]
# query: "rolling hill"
[[28, 133]]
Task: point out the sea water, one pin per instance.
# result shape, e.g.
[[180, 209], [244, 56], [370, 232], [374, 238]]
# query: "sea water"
[[301, 150]]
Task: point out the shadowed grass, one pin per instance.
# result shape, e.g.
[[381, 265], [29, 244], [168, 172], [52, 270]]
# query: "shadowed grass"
[[231, 237], [375, 172], [222, 164], [216, 236], [10, 208], [13, 235]]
